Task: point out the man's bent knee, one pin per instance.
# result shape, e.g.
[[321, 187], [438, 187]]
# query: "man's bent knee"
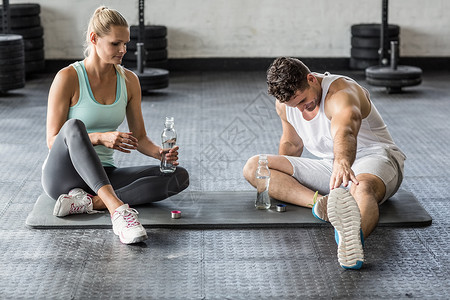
[[250, 168], [369, 185]]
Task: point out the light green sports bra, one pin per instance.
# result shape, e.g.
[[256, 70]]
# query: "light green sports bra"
[[99, 117]]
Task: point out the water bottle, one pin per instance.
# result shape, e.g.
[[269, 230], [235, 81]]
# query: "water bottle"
[[262, 183], [168, 139]]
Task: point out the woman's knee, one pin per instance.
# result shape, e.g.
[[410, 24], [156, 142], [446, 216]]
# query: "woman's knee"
[[74, 128]]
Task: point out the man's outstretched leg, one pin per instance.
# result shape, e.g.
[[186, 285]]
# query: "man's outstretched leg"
[[354, 215]]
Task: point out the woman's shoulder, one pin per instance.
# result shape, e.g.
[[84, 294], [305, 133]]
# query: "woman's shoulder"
[[67, 73], [130, 75]]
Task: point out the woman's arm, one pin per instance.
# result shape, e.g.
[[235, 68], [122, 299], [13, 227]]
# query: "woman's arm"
[[61, 94]]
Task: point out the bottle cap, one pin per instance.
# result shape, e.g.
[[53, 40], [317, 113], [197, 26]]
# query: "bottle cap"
[[281, 207], [176, 214]]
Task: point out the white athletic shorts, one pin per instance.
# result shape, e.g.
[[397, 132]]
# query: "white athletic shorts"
[[386, 164]]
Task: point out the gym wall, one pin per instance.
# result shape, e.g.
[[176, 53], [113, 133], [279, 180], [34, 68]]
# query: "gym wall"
[[254, 28]]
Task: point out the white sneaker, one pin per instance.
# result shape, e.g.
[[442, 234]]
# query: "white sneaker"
[[127, 226], [344, 215], [76, 202]]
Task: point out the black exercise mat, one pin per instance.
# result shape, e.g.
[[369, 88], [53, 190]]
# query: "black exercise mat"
[[224, 210]]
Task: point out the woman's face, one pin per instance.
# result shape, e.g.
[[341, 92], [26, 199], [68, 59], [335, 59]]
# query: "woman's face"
[[112, 47]]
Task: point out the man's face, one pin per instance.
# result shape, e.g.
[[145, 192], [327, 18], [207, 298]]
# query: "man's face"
[[308, 99]]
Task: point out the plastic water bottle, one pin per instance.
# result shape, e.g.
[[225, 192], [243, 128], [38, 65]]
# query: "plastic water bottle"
[[168, 139], [262, 183]]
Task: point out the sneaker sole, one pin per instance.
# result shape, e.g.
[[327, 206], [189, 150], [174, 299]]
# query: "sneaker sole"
[[344, 215], [134, 240]]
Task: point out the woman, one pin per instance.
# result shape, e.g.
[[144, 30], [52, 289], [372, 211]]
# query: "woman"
[[87, 102]]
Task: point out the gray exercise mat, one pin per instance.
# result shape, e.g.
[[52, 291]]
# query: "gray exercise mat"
[[224, 210]]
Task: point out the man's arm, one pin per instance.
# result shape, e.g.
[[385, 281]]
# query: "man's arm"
[[345, 111], [290, 143]]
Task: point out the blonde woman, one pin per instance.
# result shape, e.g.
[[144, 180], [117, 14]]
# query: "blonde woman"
[[87, 102]]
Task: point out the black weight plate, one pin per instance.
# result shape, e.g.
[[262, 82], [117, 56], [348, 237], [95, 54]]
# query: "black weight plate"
[[23, 9], [5, 69], [32, 55], [12, 86], [24, 22], [373, 30], [149, 44], [11, 52], [35, 66], [12, 76], [396, 83], [364, 53], [29, 33], [153, 78], [385, 72], [362, 64], [35, 43], [150, 55], [369, 42], [12, 61], [151, 31], [160, 64], [10, 40]]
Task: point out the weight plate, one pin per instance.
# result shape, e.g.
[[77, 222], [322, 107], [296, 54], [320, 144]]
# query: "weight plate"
[[373, 30], [362, 64], [33, 55], [12, 61], [385, 72], [24, 21], [151, 31], [11, 51], [35, 66], [149, 44], [29, 33], [395, 83], [23, 9], [12, 86], [5, 69], [10, 40], [153, 78], [160, 64], [369, 42], [150, 55], [35, 43], [364, 53]]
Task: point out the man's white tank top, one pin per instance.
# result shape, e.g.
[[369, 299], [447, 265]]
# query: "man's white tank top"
[[316, 133]]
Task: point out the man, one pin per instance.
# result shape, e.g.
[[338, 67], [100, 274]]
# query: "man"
[[359, 165]]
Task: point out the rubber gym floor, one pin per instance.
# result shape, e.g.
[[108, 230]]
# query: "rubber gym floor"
[[223, 118]]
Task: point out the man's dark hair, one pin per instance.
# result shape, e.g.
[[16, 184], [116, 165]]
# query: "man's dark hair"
[[285, 76]]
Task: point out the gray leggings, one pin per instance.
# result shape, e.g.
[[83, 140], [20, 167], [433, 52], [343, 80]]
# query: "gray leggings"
[[73, 163]]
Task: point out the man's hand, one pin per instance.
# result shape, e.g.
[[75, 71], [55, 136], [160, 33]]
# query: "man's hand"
[[342, 175]]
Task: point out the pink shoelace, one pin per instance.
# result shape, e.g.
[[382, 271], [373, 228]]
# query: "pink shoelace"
[[130, 217], [81, 207]]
